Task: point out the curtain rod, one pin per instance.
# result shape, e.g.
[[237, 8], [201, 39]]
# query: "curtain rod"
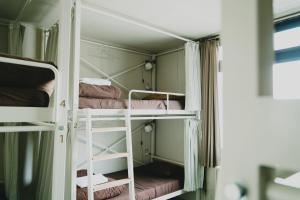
[[135, 22], [282, 18], [210, 37]]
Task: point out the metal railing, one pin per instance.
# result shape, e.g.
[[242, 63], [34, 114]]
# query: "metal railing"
[[168, 94]]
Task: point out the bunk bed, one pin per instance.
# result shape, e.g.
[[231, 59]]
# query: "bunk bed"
[[29, 101], [155, 182], [151, 181], [26, 87], [140, 182]]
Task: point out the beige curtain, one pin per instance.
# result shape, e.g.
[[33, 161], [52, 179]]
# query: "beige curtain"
[[210, 148]]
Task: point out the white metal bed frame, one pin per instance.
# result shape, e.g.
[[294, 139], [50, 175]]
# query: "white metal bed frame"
[[55, 117], [38, 119], [129, 114], [88, 115], [31, 114]]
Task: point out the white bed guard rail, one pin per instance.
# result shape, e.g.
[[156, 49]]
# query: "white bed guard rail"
[[168, 94], [22, 114]]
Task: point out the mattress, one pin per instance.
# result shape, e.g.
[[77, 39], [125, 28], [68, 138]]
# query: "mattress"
[[151, 181], [95, 103], [23, 97], [21, 76]]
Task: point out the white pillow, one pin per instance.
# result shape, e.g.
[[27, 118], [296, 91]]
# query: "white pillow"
[[95, 81], [82, 182]]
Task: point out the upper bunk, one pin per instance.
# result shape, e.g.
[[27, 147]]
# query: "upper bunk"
[[158, 106], [29, 87], [28, 90], [107, 24]]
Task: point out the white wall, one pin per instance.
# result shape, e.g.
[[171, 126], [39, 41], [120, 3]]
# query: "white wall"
[[113, 61], [169, 133], [257, 129]]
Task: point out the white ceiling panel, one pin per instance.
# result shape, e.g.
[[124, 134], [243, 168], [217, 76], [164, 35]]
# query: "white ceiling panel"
[[188, 18], [191, 19], [113, 31], [10, 9], [38, 10], [285, 7]]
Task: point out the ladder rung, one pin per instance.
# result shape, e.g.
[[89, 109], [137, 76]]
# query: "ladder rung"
[[112, 129], [110, 156], [111, 184]]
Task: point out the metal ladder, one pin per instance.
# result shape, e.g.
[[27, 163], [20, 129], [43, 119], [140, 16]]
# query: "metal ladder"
[[128, 154]]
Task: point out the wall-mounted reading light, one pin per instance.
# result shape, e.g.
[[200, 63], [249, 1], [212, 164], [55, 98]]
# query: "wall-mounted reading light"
[[148, 66], [148, 128]]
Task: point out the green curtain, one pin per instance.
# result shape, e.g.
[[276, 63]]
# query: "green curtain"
[[45, 162], [52, 44], [11, 163], [44, 178], [15, 39], [11, 140]]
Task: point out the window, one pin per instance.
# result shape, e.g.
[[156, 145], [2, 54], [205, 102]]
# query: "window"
[[286, 70]]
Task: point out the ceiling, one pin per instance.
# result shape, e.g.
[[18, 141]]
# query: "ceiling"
[[285, 7], [189, 18], [34, 11], [10, 9], [186, 18]]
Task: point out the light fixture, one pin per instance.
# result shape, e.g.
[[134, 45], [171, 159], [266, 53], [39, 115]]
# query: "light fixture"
[[148, 66], [148, 128]]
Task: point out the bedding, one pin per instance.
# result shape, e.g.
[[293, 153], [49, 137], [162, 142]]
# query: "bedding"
[[21, 76], [101, 194], [101, 92], [95, 81], [151, 181], [23, 97], [95, 103]]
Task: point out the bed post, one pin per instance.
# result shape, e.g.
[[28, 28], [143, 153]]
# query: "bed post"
[[153, 136], [59, 154], [75, 71], [153, 73], [153, 141]]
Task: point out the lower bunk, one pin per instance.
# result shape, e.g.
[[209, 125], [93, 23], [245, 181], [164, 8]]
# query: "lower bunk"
[[151, 181]]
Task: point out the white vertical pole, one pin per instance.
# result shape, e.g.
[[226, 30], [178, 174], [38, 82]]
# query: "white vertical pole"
[[75, 90], [153, 145], [130, 156], [59, 153], [89, 145]]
